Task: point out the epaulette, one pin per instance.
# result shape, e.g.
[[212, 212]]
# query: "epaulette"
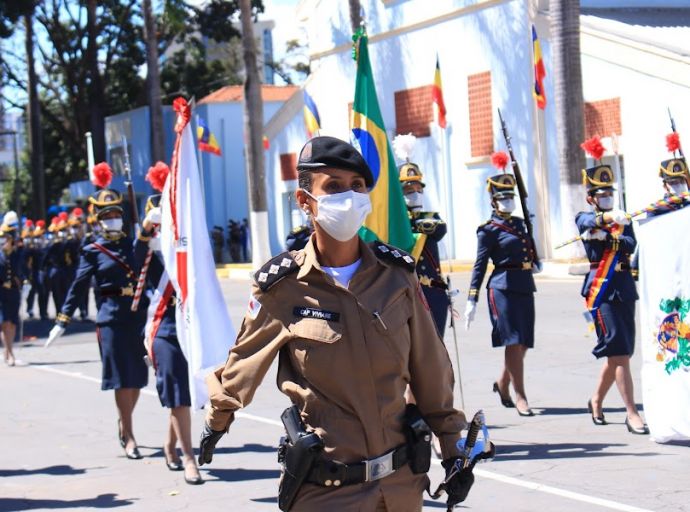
[[392, 254], [483, 224], [299, 229], [274, 270]]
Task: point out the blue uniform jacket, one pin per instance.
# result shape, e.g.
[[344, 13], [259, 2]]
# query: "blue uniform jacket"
[[12, 269], [167, 327], [507, 244], [111, 278], [622, 284], [430, 224]]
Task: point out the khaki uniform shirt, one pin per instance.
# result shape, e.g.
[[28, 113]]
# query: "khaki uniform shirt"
[[346, 357]]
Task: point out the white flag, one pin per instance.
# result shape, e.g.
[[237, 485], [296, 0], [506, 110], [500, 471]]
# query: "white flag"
[[204, 329], [665, 322]]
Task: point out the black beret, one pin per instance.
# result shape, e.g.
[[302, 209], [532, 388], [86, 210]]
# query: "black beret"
[[322, 152]]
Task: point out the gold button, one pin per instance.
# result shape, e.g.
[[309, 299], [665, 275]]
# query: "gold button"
[[328, 483], [524, 249], [336, 483]]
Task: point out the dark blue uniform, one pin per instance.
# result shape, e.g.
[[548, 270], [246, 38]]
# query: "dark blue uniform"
[[297, 238], [12, 275], [429, 265], [60, 266], [511, 286], [615, 318], [119, 330], [172, 376]]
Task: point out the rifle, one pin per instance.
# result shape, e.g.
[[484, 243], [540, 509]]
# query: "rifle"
[[522, 191], [131, 196], [673, 128]]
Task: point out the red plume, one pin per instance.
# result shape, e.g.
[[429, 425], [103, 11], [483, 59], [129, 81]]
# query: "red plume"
[[54, 221], [673, 142], [77, 212], [500, 160], [29, 223], [593, 147], [102, 175], [62, 216], [157, 175], [40, 223]]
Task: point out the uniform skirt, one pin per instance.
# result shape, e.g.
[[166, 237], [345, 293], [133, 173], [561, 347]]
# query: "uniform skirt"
[[9, 299], [122, 354], [438, 304], [615, 326], [172, 377], [512, 318]]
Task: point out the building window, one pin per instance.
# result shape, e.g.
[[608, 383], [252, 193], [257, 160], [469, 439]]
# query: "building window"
[[288, 166], [603, 118], [481, 114], [414, 111]]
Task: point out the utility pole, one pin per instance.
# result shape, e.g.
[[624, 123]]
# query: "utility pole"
[[153, 85], [17, 188], [253, 129]]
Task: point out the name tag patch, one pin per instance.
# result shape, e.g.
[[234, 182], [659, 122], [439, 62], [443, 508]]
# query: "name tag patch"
[[320, 314]]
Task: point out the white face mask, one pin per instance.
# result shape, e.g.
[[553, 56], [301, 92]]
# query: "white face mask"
[[605, 203], [111, 224], [342, 214], [414, 200], [505, 205], [678, 187]]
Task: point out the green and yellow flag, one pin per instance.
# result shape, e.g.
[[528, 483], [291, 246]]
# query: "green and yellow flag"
[[388, 220]]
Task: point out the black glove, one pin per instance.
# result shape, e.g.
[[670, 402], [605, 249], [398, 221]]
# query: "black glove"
[[457, 486], [209, 439]]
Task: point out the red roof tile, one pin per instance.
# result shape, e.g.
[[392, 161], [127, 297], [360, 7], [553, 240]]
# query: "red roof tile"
[[235, 93]]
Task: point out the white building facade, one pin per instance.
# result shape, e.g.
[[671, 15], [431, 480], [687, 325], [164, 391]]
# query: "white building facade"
[[632, 71]]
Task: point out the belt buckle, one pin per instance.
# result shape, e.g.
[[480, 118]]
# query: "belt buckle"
[[378, 468], [526, 265], [127, 291], [619, 267]]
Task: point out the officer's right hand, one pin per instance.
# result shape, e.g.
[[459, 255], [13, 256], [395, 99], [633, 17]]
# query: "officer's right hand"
[[152, 218], [619, 217], [54, 334], [594, 234], [209, 439], [470, 309], [459, 485]]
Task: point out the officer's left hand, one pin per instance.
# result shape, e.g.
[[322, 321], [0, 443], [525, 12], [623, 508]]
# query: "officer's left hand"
[[459, 485], [537, 267], [152, 218], [209, 439], [55, 333], [470, 309]]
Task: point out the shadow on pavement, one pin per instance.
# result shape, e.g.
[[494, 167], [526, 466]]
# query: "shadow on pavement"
[[559, 411], [100, 501], [58, 363], [266, 500], [505, 452], [50, 470], [251, 447], [243, 475], [439, 504], [41, 328]]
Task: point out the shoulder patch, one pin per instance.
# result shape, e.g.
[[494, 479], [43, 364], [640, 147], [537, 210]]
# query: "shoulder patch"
[[274, 270], [392, 254]]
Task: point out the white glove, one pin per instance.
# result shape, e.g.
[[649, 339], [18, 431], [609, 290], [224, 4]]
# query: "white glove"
[[470, 309], [594, 234], [55, 333], [620, 217], [154, 216]]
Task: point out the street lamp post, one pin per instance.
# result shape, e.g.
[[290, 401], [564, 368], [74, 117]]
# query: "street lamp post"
[[17, 206]]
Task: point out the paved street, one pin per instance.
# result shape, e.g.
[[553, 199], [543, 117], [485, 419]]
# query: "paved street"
[[59, 448]]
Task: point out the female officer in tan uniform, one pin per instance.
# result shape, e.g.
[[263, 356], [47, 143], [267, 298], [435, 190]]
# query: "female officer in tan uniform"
[[351, 329]]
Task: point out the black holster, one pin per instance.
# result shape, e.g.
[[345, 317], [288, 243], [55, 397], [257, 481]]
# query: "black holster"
[[297, 457], [418, 437]]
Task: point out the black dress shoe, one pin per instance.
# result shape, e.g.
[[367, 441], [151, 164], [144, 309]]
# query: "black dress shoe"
[[644, 430], [597, 420], [525, 412], [197, 480], [175, 465], [507, 402], [134, 453]]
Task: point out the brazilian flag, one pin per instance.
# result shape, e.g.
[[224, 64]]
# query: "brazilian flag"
[[388, 220]]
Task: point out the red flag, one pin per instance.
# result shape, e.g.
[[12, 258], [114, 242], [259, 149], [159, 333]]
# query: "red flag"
[[437, 96]]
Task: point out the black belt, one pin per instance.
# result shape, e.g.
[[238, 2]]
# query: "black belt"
[[433, 283], [333, 473], [116, 292], [527, 265]]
